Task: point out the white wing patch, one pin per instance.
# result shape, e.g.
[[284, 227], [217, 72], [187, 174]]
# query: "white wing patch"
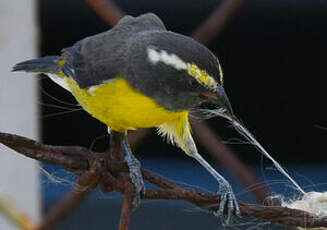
[[168, 59], [59, 80]]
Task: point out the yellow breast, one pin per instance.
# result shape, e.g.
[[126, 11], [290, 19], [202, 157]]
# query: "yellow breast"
[[121, 107]]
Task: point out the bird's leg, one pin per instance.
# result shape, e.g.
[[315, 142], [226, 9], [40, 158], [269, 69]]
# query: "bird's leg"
[[134, 172], [225, 190]]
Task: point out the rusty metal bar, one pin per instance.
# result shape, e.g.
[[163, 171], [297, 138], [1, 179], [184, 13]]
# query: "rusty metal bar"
[[218, 19], [126, 213], [62, 209], [107, 10]]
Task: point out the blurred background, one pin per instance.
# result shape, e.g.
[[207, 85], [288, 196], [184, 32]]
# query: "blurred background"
[[273, 57]]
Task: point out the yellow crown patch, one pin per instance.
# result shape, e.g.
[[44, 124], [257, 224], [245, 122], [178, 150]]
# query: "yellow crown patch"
[[202, 77]]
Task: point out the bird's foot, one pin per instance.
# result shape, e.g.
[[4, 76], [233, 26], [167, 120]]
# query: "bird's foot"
[[227, 198], [136, 179]]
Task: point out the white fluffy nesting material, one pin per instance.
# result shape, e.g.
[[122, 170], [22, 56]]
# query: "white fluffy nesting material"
[[312, 202]]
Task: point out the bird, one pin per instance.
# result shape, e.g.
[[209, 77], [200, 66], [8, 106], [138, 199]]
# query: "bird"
[[138, 74]]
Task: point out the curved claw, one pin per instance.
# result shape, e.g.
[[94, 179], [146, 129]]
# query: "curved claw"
[[227, 197]]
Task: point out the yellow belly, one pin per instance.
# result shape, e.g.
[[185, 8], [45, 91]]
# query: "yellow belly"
[[121, 107]]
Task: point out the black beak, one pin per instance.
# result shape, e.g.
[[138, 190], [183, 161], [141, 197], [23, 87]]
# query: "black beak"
[[223, 101], [218, 103]]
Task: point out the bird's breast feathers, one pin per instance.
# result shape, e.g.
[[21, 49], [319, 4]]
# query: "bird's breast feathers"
[[121, 107]]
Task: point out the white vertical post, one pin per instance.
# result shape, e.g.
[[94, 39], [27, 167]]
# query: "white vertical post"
[[19, 176]]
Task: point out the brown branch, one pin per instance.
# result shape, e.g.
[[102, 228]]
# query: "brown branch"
[[104, 169]]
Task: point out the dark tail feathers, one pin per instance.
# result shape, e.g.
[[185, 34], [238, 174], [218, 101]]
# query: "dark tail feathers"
[[47, 64]]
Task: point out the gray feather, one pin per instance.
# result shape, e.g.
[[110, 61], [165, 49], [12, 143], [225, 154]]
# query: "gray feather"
[[103, 56]]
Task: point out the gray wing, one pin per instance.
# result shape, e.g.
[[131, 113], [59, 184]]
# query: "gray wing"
[[102, 57]]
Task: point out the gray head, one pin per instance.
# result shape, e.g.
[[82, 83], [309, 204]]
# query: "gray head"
[[176, 71]]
